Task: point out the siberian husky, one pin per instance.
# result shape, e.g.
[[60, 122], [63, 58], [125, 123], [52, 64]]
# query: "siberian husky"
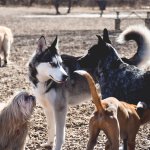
[[48, 77]]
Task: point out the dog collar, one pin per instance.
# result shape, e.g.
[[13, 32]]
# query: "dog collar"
[[49, 84]]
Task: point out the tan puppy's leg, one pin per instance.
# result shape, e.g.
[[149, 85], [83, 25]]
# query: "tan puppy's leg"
[[131, 140], [5, 58], [94, 132], [6, 50], [0, 61], [112, 130], [132, 131]]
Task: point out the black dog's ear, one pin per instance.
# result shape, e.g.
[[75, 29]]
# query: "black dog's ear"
[[41, 44], [106, 36], [100, 40]]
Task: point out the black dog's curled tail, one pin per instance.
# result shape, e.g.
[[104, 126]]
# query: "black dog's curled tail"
[[141, 35]]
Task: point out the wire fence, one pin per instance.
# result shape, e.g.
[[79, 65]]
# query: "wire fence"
[[119, 3]]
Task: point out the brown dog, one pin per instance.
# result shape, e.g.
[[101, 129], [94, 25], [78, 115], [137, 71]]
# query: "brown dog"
[[117, 119]]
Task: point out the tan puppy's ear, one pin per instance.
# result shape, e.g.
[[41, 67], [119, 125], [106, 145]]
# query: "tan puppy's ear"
[[41, 45]]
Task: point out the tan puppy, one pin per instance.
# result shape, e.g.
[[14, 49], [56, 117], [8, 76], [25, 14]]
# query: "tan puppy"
[[6, 39], [14, 120], [117, 119]]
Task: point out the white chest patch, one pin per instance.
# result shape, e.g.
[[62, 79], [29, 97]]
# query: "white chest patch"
[[45, 99]]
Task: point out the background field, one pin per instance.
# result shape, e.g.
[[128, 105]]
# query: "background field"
[[77, 35]]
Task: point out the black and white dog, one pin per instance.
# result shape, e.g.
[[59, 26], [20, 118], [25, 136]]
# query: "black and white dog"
[[117, 78], [47, 76]]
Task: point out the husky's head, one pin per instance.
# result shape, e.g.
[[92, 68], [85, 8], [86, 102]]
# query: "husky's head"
[[46, 63]]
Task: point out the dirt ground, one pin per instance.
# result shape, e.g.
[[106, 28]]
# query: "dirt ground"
[[76, 36]]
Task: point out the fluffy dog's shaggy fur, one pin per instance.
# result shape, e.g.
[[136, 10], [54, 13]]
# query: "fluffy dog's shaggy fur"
[[6, 39], [14, 121], [117, 119], [117, 78]]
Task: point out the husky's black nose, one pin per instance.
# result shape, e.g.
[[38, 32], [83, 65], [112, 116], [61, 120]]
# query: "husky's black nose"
[[64, 77]]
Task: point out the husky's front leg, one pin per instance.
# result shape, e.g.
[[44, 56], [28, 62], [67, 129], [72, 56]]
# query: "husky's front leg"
[[60, 116], [51, 127]]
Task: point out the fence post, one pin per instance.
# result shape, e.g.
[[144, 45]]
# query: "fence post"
[[147, 20], [117, 21]]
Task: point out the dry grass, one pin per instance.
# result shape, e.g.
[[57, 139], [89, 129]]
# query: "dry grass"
[[76, 36]]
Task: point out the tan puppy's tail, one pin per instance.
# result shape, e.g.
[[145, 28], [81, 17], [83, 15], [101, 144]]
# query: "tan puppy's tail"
[[94, 93]]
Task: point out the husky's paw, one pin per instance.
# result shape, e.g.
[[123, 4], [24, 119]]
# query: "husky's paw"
[[47, 145]]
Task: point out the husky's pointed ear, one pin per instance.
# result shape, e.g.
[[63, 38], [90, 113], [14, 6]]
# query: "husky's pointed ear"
[[56, 43], [100, 40], [41, 44], [106, 36]]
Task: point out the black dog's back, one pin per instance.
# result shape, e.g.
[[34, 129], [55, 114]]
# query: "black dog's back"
[[126, 83]]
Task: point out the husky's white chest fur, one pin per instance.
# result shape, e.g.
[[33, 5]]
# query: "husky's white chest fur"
[[72, 97], [43, 97]]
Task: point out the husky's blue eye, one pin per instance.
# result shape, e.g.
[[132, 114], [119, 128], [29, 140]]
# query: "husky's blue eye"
[[52, 64]]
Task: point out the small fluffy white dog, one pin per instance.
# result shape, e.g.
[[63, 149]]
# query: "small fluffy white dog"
[[14, 121], [6, 39]]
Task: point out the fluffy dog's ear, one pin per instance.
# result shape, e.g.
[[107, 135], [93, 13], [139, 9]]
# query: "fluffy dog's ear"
[[55, 44], [41, 44], [106, 36]]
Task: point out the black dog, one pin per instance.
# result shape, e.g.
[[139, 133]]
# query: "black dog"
[[117, 78]]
